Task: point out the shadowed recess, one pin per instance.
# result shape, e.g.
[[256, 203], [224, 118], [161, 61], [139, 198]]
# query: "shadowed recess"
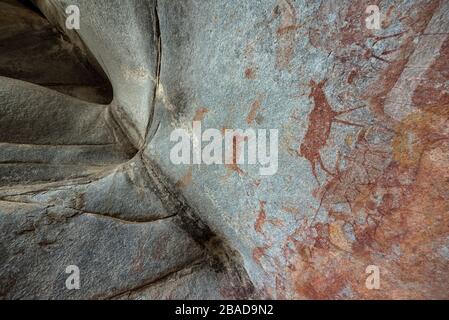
[[33, 50]]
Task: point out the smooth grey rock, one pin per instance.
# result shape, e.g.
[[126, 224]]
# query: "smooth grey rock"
[[114, 256], [30, 114], [64, 155], [124, 192], [121, 35], [197, 282], [26, 173]]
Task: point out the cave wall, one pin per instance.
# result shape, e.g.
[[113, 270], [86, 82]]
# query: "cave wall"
[[363, 131], [366, 110], [120, 36]]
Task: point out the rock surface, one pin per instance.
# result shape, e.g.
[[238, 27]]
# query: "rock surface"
[[75, 191], [56, 63], [363, 172], [363, 146]]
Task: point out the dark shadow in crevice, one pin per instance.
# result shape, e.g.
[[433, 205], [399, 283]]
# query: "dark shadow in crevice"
[[33, 50], [29, 4]]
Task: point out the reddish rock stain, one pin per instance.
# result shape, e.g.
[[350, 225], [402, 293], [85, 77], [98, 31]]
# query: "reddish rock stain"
[[285, 30], [253, 111], [388, 78], [250, 74], [186, 180], [259, 253], [320, 123], [405, 205], [261, 218], [431, 89], [276, 222], [352, 75], [388, 17], [286, 33], [233, 166], [393, 189], [290, 209], [200, 114]]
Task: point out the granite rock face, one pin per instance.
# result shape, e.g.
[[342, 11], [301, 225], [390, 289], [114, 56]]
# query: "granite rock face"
[[86, 179]]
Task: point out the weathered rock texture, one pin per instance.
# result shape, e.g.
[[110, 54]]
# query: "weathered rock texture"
[[74, 187], [363, 173], [33, 50]]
